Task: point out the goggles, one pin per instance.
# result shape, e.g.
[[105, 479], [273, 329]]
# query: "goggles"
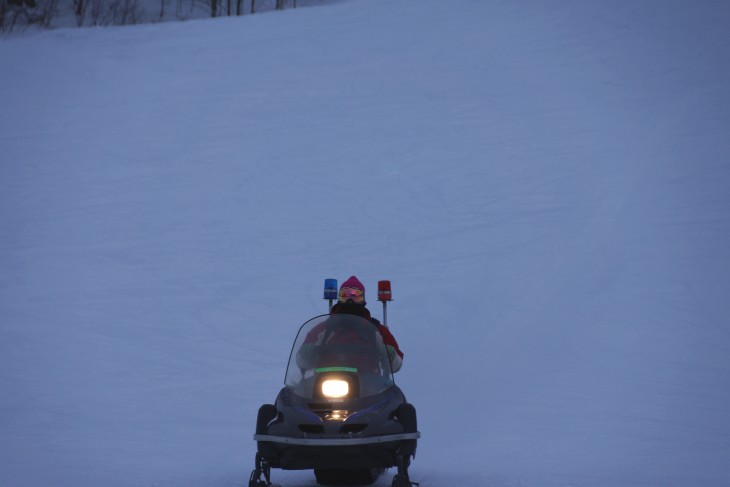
[[352, 294]]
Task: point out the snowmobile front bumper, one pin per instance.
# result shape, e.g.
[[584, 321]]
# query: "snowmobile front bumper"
[[326, 453]]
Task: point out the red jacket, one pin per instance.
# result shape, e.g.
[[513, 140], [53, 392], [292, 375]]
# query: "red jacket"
[[394, 352]]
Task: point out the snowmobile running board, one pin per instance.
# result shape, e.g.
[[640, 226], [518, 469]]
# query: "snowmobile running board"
[[337, 441]]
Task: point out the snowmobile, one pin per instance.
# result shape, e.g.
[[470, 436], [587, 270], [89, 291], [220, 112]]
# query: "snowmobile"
[[340, 412]]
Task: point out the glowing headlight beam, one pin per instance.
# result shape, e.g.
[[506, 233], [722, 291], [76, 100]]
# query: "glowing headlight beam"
[[335, 388]]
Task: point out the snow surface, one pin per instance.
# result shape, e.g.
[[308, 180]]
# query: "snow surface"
[[546, 185]]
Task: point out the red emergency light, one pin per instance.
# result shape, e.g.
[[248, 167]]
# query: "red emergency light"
[[384, 293]]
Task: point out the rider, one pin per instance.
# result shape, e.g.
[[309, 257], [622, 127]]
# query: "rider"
[[351, 300]]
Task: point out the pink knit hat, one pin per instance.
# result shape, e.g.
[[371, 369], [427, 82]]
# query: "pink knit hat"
[[354, 283]]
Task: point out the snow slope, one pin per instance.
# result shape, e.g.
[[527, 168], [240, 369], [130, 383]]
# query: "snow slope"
[[545, 185]]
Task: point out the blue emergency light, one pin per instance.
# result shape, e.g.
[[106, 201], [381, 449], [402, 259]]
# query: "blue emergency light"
[[330, 289]]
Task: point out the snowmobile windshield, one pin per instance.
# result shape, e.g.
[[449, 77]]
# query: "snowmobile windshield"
[[338, 356]]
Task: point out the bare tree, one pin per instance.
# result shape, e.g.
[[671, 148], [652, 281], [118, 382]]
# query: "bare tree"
[[124, 12], [19, 14], [114, 12], [179, 9], [80, 7], [13, 13], [95, 12], [47, 11], [281, 4]]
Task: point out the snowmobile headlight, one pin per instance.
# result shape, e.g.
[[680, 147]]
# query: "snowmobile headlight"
[[335, 388]]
